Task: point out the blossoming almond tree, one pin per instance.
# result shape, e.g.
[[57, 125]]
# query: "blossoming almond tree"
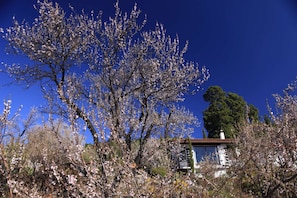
[[121, 82], [265, 164], [12, 138]]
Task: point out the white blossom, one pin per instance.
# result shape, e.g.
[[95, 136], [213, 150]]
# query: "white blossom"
[[123, 83]]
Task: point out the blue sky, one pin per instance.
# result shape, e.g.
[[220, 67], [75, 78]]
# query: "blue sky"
[[250, 47]]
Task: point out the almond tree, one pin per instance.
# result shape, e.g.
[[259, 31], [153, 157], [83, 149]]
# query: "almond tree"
[[121, 82], [12, 138], [265, 161]]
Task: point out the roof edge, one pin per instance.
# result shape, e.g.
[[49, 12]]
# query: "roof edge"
[[208, 141]]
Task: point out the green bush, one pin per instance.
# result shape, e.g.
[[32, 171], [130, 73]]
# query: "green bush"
[[159, 171]]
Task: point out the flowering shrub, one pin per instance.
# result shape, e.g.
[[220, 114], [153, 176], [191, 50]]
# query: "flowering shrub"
[[49, 161], [263, 157], [265, 163]]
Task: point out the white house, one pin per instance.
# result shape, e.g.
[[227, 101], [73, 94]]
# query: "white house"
[[212, 148]]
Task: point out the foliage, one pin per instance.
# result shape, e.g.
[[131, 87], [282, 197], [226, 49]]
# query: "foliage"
[[126, 94], [253, 114], [48, 161], [226, 111], [263, 158], [159, 171], [265, 163], [52, 138]]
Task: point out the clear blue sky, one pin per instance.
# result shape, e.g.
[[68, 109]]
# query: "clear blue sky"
[[250, 47]]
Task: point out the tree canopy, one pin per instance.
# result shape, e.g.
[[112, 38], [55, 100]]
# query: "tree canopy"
[[121, 82], [225, 112]]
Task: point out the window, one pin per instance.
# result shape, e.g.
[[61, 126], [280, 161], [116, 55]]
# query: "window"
[[184, 158], [203, 152]]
